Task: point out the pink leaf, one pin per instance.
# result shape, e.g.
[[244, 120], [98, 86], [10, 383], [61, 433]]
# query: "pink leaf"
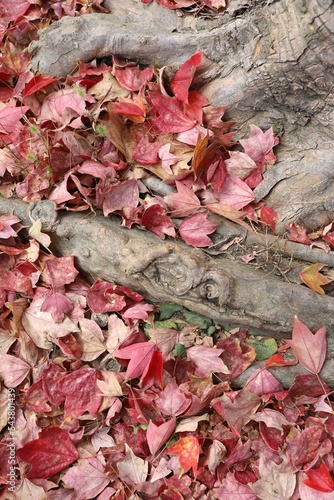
[[184, 202], [6, 223], [49, 454], [13, 370], [158, 435], [172, 401], [182, 79], [309, 348], [58, 305], [133, 470], [194, 230], [167, 158], [259, 144], [87, 478], [122, 197], [146, 152], [207, 360], [139, 355], [235, 193]]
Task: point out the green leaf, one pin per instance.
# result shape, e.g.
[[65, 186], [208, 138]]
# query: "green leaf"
[[264, 348], [167, 309], [193, 318]]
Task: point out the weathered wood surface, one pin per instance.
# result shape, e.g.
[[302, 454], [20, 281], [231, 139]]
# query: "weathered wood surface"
[[231, 293]]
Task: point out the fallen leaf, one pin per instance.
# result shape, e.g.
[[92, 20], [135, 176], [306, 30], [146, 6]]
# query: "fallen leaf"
[[309, 348], [313, 279], [187, 449], [319, 479], [49, 454], [194, 230]]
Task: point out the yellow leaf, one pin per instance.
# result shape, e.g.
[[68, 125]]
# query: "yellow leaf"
[[313, 279]]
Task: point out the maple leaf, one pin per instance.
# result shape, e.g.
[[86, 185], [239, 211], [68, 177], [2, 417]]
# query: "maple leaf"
[[171, 118], [122, 197], [49, 454], [187, 449], [157, 435], [239, 164], [268, 216], [87, 478], [260, 144], [13, 370], [183, 77], [80, 391], [304, 448], [58, 305], [240, 411], [172, 401], [133, 470], [157, 222], [139, 355], [298, 233], [6, 223], [60, 271], [36, 83], [235, 193], [313, 279], [133, 78], [263, 382], [275, 483], [319, 479], [167, 158], [153, 371], [309, 348], [184, 202], [146, 152], [194, 230], [207, 360]]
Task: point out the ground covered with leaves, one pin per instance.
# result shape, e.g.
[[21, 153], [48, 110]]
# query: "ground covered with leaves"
[[115, 398]]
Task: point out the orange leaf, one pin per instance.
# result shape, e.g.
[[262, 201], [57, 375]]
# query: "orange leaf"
[[229, 213], [313, 279], [187, 449], [199, 155], [278, 360]]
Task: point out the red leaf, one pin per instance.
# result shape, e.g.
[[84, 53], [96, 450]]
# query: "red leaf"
[[139, 355], [172, 401], [259, 144], [37, 83], [157, 222], [146, 152], [187, 449], [309, 348], [194, 230], [129, 110], [102, 297], [49, 454], [60, 271], [298, 233], [153, 371], [182, 79], [80, 391], [268, 216], [133, 78], [171, 117], [319, 479]]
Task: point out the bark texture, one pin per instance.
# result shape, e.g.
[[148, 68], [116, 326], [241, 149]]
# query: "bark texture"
[[271, 63], [230, 292]]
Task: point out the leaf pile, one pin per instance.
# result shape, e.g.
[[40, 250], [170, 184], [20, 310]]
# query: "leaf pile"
[[116, 399]]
